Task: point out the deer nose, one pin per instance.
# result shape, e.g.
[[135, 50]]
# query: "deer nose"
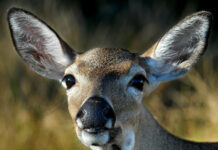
[[95, 113]]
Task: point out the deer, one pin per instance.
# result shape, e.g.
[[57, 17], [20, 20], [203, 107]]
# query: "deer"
[[105, 87]]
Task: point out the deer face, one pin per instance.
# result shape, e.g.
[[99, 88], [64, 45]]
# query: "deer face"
[[105, 86], [105, 95]]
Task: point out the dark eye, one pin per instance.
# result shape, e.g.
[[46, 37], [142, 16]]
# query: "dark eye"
[[138, 82], [68, 81]]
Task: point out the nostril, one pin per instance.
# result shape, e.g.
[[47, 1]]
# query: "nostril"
[[80, 114], [108, 113], [95, 113]]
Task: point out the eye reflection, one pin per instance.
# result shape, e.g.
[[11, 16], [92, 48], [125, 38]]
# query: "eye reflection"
[[138, 82], [68, 81]]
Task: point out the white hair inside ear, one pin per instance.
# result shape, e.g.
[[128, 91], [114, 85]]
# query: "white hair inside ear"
[[179, 49], [39, 45]]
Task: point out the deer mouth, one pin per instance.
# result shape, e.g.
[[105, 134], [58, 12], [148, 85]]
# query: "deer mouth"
[[94, 130], [97, 136]]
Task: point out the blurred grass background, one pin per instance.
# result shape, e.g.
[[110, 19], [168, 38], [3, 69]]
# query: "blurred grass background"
[[33, 110]]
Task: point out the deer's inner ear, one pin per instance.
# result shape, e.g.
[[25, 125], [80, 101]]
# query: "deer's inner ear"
[[179, 49], [39, 46]]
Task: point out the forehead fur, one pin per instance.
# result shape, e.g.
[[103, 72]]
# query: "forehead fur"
[[105, 60]]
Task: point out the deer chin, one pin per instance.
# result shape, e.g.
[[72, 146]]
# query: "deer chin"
[[97, 137]]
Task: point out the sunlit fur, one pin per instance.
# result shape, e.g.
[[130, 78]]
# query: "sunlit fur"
[[107, 72]]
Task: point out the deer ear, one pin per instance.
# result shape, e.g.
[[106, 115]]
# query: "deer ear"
[[179, 49], [38, 45]]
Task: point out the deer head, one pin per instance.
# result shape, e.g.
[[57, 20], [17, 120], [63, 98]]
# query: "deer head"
[[105, 86]]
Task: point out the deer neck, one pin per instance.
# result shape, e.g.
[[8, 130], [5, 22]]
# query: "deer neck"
[[149, 133]]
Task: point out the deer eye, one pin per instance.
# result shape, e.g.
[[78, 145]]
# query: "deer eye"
[[68, 81], [138, 82]]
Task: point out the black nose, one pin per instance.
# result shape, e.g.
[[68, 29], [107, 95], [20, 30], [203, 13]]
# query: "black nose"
[[96, 113]]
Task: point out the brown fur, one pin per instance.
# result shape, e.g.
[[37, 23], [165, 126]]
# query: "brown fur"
[[96, 66], [108, 72], [100, 61]]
